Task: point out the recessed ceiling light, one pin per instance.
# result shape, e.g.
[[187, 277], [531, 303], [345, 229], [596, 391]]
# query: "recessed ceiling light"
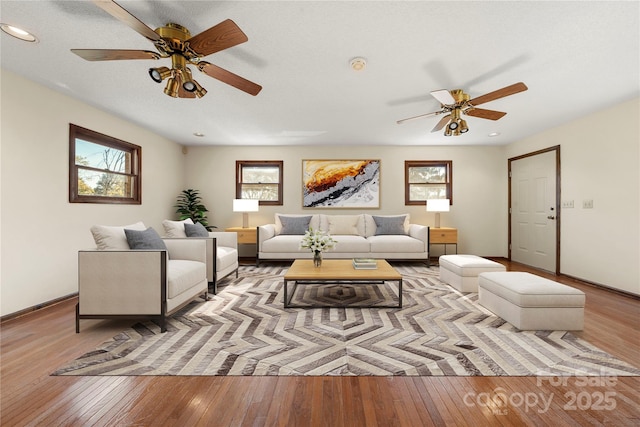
[[358, 64], [492, 134], [18, 33], [198, 134]]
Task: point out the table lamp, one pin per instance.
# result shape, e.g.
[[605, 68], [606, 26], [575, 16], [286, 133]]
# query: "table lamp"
[[437, 206], [245, 206]]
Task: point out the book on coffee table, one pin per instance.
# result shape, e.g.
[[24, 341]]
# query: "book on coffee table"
[[365, 264]]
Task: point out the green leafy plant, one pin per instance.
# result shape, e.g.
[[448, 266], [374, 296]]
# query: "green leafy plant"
[[189, 206]]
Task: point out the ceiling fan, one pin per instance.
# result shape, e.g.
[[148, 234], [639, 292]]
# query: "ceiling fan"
[[174, 41], [455, 102]]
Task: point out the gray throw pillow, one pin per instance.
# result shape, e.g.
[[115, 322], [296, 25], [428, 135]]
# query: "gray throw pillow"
[[294, 224], [145, 239], [389, 224], [195, 230]]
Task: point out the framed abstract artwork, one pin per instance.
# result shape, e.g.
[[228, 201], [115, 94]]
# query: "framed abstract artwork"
[[341, 184]]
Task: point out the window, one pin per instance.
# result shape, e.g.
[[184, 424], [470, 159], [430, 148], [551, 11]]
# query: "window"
[[427, 179], [259, 179], [103, 169]]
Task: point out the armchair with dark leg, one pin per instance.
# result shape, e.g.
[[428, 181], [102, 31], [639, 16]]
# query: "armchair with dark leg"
[[222, 248], [141, 283]]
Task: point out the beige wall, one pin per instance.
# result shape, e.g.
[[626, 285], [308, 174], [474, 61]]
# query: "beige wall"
[[479, 183], [600, 160], [41, 231]]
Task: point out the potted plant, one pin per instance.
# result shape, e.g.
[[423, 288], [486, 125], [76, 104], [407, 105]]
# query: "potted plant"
[[189, 206]]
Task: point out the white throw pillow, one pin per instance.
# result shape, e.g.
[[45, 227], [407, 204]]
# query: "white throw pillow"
[[175, 228], [343, 224], [113, 237]]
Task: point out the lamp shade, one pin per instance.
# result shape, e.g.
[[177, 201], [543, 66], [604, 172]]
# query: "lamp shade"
[[438, 205], [245, 205]]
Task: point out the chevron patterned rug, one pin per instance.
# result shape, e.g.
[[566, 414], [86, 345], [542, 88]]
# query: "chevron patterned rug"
[[244, 330]]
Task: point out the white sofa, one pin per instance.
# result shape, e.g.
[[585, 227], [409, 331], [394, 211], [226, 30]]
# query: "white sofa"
[[357, 236]]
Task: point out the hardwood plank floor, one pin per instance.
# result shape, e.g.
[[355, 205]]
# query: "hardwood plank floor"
[[34, 345]]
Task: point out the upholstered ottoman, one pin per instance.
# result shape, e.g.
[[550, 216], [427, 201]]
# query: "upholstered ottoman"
[[461, 271], [531, 302]]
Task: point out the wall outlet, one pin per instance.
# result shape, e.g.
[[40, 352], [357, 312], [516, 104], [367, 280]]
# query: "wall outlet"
[[567, 204], [587, 204]]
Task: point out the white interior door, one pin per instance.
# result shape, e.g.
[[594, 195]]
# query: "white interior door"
[[534, 211]]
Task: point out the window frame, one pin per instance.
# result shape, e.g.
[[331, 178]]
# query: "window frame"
[[258, 163], [134, 169], [408, 164]]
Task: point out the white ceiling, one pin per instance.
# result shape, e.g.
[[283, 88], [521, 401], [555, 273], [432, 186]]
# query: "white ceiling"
[[576, 57]]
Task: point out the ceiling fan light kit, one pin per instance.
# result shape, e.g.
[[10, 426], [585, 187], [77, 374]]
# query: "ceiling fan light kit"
[[174, 41], [172, 87], [159, 74], [455, 102]]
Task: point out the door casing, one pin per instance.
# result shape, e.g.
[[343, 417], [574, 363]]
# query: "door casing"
[[557, 201]]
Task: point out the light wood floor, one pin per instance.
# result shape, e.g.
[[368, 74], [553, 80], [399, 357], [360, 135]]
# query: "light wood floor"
[[34, 345]]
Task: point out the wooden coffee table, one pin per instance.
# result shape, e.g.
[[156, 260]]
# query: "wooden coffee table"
[[337, 271]]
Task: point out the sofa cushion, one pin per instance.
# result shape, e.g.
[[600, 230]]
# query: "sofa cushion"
[[113, 237], [370, 224], [349, 243], [294, 224], [343, 224], [225, 257], [464, 265], [144, 239], [175, 228], [393, 243], [283, 243], [325, 226], [529, 290], [389, 224], [314, 223], [183, 275], [195, 230]]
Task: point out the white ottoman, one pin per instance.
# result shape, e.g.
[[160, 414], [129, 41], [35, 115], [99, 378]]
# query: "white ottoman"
[[461, 271], [531, 302]]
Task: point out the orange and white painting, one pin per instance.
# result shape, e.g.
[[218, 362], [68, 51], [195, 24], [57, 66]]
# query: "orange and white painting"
[[341, 183]]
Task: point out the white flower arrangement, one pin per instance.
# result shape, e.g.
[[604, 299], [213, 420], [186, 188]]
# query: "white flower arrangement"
[[317, 241]]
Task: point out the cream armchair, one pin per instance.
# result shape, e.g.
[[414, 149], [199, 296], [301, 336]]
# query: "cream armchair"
[[222, 250], [133, 284], [225, 261]]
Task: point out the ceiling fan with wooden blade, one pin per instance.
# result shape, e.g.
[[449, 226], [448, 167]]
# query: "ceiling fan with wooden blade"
[[174, 41], [455, 102]]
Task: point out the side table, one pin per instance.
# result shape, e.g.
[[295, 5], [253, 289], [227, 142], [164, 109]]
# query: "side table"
[[246, 236], [247, 241], [443, 236]]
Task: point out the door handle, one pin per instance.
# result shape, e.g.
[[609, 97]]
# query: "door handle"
[[551, 217]]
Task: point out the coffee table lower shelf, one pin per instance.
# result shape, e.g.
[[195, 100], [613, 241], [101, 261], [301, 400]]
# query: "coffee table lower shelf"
[[332, 272]]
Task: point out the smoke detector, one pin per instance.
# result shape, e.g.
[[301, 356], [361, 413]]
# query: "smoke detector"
[[358, 64]]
